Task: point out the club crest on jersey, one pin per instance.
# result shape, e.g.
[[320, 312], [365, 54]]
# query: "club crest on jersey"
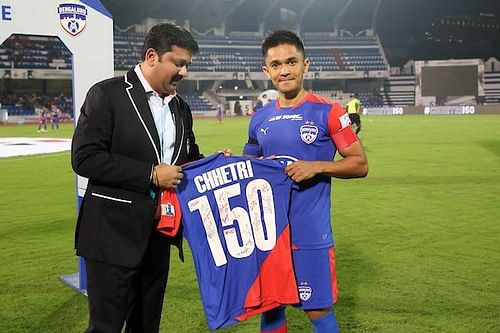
[[308, 133], [167, 209], [305, 291], [73, 17]]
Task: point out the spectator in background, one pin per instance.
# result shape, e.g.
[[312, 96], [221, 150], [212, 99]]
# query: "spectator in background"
[[33, 102], [42, 119], [55, 117], [257, 105], [353, 109], [308, 136], [237, 108], [220, 112]]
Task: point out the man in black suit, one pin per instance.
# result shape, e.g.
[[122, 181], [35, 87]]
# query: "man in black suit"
[[132, 134]]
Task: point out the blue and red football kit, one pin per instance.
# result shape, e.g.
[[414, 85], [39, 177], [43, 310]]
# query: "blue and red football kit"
[[312, 130], [235, 219]]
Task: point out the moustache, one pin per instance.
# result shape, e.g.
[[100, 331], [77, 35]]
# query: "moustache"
[[177, 78]]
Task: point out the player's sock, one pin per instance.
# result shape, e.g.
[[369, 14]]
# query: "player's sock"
[[273, 321], [326, 324]]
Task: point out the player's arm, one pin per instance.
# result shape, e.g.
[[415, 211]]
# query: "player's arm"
[[354, 162], [248, 155], [252, 147]]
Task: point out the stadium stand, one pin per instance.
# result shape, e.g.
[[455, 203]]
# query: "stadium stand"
[[237, 52], [34, 52], [399, 90], [127, 49], [371, 99], [198, 104], [333, 57], [492, 87], [26, 105]]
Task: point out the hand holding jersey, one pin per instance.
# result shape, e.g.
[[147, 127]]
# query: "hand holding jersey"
[[166, 176]]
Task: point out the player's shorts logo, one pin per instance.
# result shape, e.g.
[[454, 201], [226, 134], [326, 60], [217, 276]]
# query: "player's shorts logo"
[[73, 17], [305, 291], [308, 133]]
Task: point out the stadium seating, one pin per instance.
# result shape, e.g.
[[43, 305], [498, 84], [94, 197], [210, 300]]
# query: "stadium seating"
[[370, 99], [399, 90], [238, 52], [24, 105], [198, 104], [492, 87], [34, 52], [18, 110], [127, 49]]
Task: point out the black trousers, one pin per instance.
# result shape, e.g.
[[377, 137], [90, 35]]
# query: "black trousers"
[[356, 120], [119, 295]]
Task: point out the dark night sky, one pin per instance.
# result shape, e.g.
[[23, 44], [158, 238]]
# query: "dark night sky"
[[398, 23], [400, 16], [393, 14]]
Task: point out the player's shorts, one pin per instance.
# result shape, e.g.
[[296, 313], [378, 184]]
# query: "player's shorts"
[[316, 277]]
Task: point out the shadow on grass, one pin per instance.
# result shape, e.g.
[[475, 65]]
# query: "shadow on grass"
[[354, 273], [492, 146], [422, 180], [68, 316]]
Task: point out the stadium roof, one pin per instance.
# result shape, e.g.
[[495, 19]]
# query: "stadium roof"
[[313, 15], [402, 25]]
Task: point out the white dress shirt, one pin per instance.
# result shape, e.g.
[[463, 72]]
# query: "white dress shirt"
[[162, 116]]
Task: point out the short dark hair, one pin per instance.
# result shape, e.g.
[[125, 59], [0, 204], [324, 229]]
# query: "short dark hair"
[[163, 36], [280, 37]]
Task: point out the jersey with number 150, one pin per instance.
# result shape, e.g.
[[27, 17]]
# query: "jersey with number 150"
[[234, 217]]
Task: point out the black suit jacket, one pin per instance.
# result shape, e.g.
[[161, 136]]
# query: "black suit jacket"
[[116, 145]]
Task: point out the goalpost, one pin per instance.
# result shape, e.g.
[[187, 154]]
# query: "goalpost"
[[86, 29]]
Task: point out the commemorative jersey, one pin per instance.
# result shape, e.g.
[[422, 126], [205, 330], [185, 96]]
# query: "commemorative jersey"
[[235, 219], [312, 130]]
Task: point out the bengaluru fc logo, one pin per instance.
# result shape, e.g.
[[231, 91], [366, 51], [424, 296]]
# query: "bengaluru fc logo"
[[308, 133], [305, 291], [73, 17]]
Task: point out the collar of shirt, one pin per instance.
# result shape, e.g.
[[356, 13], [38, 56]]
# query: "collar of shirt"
[[148, 89]]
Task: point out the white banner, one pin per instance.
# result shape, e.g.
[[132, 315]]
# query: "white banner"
[[392, 111], [453, 109]]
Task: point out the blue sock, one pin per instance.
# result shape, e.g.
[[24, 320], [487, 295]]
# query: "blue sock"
[[273, 320], [326, 324]]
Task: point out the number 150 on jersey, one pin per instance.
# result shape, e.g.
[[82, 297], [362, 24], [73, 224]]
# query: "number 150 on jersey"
[[257, 224]]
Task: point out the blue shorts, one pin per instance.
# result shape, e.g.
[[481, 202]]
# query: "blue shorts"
[[316, 277]]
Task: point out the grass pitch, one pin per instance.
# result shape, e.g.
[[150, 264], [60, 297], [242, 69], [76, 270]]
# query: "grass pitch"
[[417, 241]]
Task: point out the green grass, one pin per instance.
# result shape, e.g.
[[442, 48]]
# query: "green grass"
[[417, 241]]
